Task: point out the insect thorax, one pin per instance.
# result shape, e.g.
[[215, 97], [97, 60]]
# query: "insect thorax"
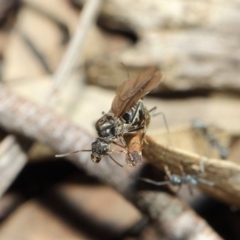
[[107, 126], [137, 116]]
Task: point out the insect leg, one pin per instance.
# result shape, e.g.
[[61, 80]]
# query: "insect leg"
[[120, 165], [139, 105], [203, 181], [164, 120], [184, 178], [134, 129], [153, 109], [118, 144], [144, 129], [154, 182], [167, 171], [123, 141]]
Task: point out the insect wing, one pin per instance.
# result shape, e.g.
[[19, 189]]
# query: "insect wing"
[[134, 89]]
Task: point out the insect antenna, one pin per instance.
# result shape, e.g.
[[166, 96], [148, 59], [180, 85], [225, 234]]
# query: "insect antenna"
[[70, 153], [120, 165]]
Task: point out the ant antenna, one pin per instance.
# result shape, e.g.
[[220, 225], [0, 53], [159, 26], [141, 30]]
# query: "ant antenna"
[[126, 69], [66, 154], [70, 153]]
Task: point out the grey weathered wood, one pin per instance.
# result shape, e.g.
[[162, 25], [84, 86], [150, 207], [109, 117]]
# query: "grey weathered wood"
[[12, 160], [195, 43], [44, 125]]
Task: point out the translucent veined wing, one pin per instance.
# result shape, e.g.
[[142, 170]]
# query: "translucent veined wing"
[[134, 89]]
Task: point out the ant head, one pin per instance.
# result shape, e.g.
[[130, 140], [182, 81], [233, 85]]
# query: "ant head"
[[100, 147], [96, 158]]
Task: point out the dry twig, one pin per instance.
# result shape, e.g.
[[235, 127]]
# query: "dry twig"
[[75, 48], [176, 218], [225, 175], [42, 124], [12, 160], [14, 153]]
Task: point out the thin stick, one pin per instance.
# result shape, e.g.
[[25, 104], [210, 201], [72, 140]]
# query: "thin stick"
[[88, 15], [165, 209], [12, 160], [223, 176]]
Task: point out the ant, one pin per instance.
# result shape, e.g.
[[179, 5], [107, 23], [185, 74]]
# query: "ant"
[[177, 180]]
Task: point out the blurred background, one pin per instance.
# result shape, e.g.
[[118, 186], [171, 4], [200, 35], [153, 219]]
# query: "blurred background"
[[71, 55]]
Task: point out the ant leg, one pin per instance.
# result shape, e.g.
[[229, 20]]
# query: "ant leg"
[[158, 183], [188, 184], [129, 127], [139, 105], [123, 141], [165, 122], [144, 131], [134, 129], [118, 144], [203, 181], [174, 179], [153, 109], [181, 169], [154, 182], [201, 164], [167, 171], [120, 165]]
